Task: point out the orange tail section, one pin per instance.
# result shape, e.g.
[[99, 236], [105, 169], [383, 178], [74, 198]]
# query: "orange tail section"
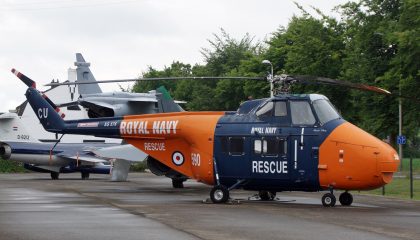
[[181, 141]]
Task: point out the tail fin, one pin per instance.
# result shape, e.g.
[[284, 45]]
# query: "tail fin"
[[166, 103], [46, 114], [84, 74], [13, 129]]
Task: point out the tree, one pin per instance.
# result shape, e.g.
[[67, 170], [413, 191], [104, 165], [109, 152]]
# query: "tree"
[[381, 48], [311, 46]]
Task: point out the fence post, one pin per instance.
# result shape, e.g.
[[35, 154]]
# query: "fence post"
[[411, 177], [383, 190]]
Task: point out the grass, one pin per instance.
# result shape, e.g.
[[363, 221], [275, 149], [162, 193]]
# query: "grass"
[[406, 166], [11, 167], [400, 188]]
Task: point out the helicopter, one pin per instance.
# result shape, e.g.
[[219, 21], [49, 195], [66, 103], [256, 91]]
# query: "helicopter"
[[288, 142]]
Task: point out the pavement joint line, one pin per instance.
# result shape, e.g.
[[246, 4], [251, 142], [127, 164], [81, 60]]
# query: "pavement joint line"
[[128, 210]]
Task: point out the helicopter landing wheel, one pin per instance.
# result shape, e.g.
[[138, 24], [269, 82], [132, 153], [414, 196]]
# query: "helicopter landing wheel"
[[267, 195], [346, 199], [54, 175], [219, 194], [85, 175], [328, 200], [177, 183]]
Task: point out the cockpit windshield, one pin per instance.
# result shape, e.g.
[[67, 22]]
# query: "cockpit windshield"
[[325, 111]]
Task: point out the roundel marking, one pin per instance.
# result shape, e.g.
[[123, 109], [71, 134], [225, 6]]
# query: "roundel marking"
[[177, 158]]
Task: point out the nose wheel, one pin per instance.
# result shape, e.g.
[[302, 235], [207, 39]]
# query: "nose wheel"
[[328, 200], [267, 195], [346, 199]]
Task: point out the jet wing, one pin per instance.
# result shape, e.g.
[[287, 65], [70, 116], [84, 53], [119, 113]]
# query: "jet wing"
[[141, 99], [123, 152], [83, 159], [8, 116]]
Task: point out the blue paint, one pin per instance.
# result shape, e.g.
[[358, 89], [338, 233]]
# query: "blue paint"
[[401, 140], [61, 150], [276, 172]]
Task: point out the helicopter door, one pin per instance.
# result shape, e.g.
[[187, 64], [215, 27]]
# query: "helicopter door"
[[302, 143], [269, 145], [269, 158]]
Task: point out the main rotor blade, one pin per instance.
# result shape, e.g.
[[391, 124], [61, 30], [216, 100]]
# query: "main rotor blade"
[[155, 79], [330, 81]]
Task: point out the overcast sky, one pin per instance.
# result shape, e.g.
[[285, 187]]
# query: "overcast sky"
[[121, 38]]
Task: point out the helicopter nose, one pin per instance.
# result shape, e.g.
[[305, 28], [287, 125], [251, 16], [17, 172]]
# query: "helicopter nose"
[[352, 159], [388, 163]]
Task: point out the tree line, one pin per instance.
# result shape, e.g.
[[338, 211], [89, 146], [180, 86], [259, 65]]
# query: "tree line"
[[374, 42]]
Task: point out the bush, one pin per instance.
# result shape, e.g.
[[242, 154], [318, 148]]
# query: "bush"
[[138, 167]]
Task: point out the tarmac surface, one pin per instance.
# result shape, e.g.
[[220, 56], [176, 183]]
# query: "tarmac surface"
[[147, 207]]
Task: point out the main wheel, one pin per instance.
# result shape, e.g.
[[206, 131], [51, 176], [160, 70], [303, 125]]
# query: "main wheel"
[[346, 199], [85, 175], [328, 200], [177, 183], [266, 195], [54, 175], [219, 194]]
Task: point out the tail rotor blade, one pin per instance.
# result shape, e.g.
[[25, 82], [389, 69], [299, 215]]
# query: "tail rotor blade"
[[32, 84], [29, 82]]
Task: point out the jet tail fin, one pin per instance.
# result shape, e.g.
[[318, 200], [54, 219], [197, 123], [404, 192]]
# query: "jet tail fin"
[[12, 129], [166, 103], [84, 75]]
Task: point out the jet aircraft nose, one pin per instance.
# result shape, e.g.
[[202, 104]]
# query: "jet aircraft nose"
[[352, 159]]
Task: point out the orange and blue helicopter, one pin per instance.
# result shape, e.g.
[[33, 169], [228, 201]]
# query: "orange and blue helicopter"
[[287, 142]]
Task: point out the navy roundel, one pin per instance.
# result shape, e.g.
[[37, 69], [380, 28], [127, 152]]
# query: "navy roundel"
[[178, 158]]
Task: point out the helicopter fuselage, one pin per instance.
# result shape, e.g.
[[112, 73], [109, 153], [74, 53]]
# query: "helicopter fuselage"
[[288, 142]]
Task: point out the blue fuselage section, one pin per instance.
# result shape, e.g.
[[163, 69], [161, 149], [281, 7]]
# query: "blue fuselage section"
[[269, 153]]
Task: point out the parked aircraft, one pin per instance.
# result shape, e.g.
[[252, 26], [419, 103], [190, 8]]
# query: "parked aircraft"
[[92, 105], [288, 142]]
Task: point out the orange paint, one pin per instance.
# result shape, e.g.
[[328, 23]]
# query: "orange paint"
[[164, 136], [352, 159]]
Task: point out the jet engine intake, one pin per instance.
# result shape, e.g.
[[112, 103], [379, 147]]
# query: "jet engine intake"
[[5, 151]]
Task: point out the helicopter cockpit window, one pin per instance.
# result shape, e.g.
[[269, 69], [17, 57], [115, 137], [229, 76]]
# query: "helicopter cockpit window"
[[266, 110], [301, 113], [280, 109], [277, 109], [325, 111]]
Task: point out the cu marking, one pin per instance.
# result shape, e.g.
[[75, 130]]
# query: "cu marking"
[[42, 113]]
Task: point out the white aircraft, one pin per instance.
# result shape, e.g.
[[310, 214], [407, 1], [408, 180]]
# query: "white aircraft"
[[23, 139]]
